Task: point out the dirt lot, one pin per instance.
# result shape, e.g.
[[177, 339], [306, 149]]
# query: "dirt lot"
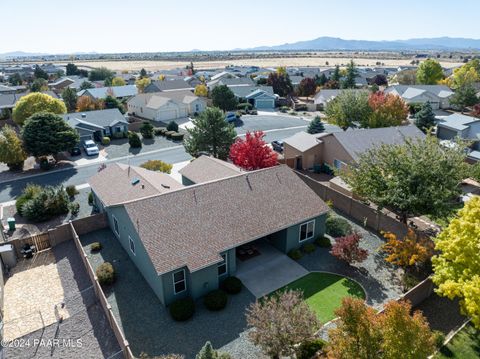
[[262, 62]]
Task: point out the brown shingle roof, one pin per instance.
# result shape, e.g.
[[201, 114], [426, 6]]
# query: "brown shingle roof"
[[191, 226], [205, 169], [113, 185]]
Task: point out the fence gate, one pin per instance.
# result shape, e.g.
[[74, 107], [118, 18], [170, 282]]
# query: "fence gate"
[[41, 241]]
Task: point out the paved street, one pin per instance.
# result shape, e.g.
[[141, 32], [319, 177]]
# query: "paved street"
[[275, 128]]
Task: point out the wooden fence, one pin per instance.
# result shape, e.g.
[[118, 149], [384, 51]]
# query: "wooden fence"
[[122, 341]]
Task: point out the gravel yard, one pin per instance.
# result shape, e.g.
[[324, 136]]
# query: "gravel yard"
[[84, 332]]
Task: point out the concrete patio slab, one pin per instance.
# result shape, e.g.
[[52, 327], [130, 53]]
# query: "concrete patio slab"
[[269, 271]]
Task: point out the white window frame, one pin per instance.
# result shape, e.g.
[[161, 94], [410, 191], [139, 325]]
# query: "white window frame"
[[116, 229], [130, 244], [300, 240], [338, 164], [223, 263], [183, 280]]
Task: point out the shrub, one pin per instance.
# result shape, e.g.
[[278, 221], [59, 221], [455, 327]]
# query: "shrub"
[[134, 140], [177, 136], [409, 281], [295, 254], [232, 285], [215, 300], [21, 200], [439, 338], [309, 248], [169, 134], [244, 106], [284, 109], [105, 273], [323, 242], [308, 349], [105, 140], [182, 309], [337, 227], [159, 131], [71, 190], [172, 126], [48, 202], [348, 249], [146, 129], [253, 112], [157, 165], [90, 199], [95, 247], [74, 208], [45, 164], [117, 135]]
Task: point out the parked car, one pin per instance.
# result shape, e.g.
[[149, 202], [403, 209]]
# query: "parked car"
[[231, 117], [90, 148], [75, 151], [277, 146]]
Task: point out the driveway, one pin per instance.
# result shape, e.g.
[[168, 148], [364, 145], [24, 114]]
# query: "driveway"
[[269, 271]]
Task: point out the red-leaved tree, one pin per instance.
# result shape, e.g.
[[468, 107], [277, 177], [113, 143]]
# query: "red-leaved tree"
[[348, 249], [387, 110], [252, 153], [307, 87]]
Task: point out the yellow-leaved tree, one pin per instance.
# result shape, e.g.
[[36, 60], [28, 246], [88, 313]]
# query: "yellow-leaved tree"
[[36, 102], [457, 266], [142, 83], [118, 81], [201, 90]]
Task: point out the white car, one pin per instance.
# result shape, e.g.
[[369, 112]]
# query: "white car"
[[90, 148]]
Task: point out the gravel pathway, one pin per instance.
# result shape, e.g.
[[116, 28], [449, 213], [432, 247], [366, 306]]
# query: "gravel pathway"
[[86, 333]]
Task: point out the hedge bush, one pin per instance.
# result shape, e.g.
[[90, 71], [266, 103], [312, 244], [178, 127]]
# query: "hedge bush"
[[232, 285], [169, 134], [95, 247], [309, 348], [105, 273], [177, 136], [309, 248], [323, 242], [74, 208], [90, 198], [71, 190], [159, 131], [215, 300], [182, 309], [48, 202], [337, 226], [157, 165], [134, 140], [117, 135], [146, 129], [105, 141], [295, 254], [172, 126], [244, 106]]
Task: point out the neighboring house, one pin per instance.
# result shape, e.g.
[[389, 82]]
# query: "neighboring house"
[[295, 80], [231, 82], [165, 106], [437, 95], [462, 126], [324, 96], [261, 100], [5, 90], [184, 241], [206, 168], [119, 92], [223, 75], [241, 92], [92, 125], [8, 101], [303, 151], [168, 85], [62, 83]]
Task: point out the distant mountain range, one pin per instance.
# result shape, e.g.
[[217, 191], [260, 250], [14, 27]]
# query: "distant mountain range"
[[335, 43], [28, 54]]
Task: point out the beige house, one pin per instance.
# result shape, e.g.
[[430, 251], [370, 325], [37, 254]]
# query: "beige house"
[[165, 106], [303, 151]]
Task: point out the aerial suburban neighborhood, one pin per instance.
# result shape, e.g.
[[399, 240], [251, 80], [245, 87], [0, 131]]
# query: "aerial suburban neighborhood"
[[242, 200]]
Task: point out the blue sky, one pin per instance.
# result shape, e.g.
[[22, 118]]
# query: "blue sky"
[[59, 26]]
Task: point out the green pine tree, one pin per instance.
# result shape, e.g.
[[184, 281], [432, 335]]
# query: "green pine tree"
[[316, 126], [350, 78], [425, 118]]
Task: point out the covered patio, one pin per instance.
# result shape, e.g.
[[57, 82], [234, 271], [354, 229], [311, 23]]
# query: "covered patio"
[[267, 269]]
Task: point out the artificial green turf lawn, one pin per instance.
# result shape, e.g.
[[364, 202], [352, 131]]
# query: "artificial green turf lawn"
[[324, 292], [464, 345]]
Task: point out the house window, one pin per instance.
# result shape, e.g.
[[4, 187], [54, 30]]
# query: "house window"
[[338, 164], [222, 266], [132, 244], [197, 107], [179, 282], [115, 226], [307, 230]]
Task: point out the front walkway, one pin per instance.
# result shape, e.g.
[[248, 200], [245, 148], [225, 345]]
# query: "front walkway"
[[268, 271]]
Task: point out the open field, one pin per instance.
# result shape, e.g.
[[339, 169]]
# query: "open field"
[[158, 65]]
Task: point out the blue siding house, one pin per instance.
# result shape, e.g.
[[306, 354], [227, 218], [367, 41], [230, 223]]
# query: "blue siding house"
[[185, 239]]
